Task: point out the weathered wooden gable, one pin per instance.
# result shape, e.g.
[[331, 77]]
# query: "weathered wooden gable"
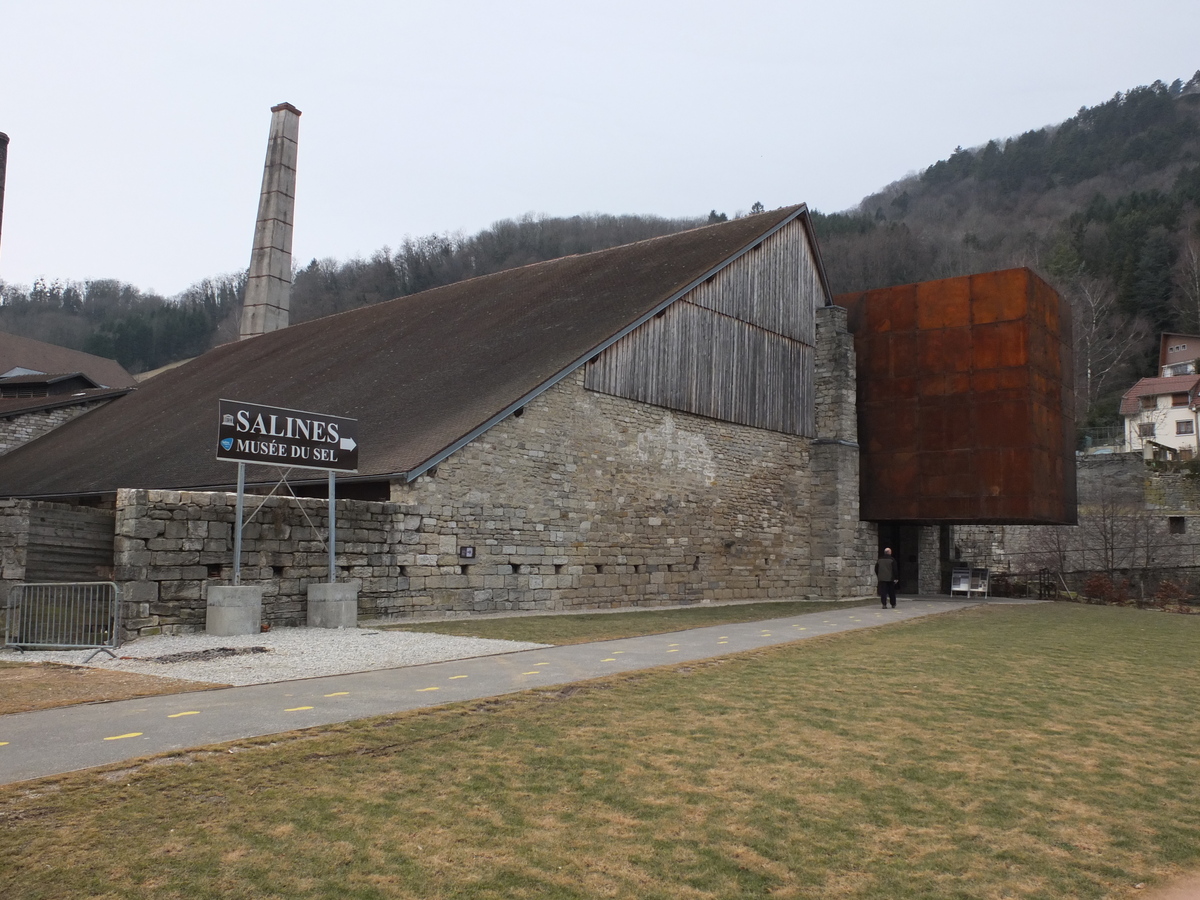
[[738, 347]]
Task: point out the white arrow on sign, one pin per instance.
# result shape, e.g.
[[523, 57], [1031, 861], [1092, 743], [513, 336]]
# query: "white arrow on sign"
[[348, 444]]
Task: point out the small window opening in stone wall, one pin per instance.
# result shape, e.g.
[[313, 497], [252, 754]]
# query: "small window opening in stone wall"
[[276, 571], [518, 412], [695, 563], [516, 566], [599, 568], [558, 569], [403, 570], [463, 569], [214, 570], [1177, 524]]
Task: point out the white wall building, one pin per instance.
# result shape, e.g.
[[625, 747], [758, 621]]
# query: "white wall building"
[[1161, 417]]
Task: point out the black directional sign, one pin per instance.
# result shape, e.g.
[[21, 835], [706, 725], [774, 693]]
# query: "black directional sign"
[[250, 432]]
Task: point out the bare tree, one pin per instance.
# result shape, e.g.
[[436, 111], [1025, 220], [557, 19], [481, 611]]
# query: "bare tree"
[[1106, 340], [1187, 279]]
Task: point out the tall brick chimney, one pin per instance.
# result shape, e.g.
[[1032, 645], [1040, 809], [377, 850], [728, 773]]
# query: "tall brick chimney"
[[3, 168], [269, 290]]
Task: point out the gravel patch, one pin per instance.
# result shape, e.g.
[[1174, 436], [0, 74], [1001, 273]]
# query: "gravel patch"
[[281, 654]]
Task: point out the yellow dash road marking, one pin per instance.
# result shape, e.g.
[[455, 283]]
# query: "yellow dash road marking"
[[546, 663], [193, 712], [338, 694], [120, 737], [297, 708], [534, 672], [610, 659], [453, 677], [618, 652], [3, 743], [672, 651], [722, 642], [423, 690]]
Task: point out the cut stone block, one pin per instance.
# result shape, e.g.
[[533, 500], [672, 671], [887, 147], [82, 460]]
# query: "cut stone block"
[[332, 606], [234, 610]]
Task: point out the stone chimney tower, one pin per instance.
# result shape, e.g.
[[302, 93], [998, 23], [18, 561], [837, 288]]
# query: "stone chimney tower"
[[269, 290], [3, 167]]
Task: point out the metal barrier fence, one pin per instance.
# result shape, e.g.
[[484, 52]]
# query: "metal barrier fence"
[[64, 616]]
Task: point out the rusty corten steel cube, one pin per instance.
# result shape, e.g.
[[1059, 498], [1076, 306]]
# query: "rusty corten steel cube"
[[965, 401]]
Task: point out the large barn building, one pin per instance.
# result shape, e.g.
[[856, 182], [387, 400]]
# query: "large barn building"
[[668, 422]]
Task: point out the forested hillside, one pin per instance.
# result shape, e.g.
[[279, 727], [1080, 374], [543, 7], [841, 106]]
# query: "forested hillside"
[[144, 330], [1106, 206]]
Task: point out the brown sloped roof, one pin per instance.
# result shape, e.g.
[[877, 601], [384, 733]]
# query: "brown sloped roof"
[[423, 374], [1152, 387], [42, 357]]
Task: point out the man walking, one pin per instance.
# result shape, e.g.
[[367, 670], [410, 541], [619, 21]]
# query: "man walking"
[[887, 571]]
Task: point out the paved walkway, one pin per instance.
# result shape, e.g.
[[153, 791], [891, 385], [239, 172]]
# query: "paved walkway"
[[50, 742]]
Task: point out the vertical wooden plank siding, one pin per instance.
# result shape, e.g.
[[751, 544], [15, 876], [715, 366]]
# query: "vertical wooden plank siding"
[[737, 348], [69, 544], [774, 286]]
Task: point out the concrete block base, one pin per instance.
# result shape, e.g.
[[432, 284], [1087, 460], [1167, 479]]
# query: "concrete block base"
[[332, 606], [234, 610]]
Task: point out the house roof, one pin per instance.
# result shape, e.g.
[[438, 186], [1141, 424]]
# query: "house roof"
[[47, 379], [39, 357], [1153, 387], [15, 406], [423, 374]]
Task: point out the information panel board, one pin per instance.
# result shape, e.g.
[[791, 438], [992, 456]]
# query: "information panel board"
[[272, 435]]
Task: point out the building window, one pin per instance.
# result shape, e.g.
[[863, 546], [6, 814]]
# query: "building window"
[[1179, 399], [1149, 402], [1185, 427], [1146, 429], [1177, 524]]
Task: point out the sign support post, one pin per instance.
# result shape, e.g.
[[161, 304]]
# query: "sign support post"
[[237, 527], [287, 438], [332, 529]]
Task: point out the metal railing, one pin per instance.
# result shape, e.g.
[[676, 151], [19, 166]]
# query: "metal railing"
[[64, 616]]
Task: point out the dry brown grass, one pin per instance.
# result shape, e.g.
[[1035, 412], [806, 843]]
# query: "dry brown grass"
[[1031, 752], [28, 686]]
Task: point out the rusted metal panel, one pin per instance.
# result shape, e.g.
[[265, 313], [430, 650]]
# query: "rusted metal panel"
[[965, 401]]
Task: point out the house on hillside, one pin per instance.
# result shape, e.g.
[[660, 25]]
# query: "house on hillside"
[[1178, 354], [43, 386], [1160, 417]]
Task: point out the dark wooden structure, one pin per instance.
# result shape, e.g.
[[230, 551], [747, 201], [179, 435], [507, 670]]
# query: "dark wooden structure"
[[965, 401], [737, 347]]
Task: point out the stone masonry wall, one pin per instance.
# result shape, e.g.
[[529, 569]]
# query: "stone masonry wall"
[[171, 545], [592, 501], [21, 429], [582, 501], [843, 546], [1131, 516]]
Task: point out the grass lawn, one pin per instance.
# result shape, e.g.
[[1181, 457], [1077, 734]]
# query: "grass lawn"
[[29, 686], [580, 628], [1045, 751]]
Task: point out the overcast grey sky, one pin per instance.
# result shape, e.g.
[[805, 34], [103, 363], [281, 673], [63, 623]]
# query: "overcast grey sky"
[[138, 129]]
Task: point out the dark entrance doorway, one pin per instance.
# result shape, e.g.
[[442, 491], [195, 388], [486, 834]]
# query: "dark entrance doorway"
[[905, 543]]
